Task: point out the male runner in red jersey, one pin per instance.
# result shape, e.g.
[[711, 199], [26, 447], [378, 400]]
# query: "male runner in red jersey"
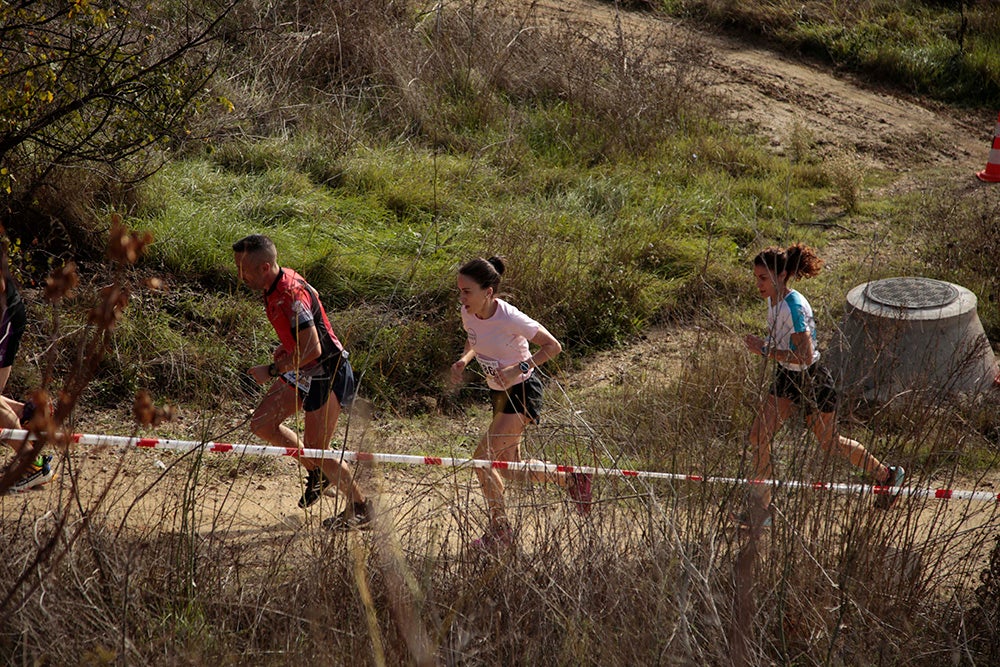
[[310, 365]]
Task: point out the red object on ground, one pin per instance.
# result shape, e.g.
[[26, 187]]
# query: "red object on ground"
[[992, 172]]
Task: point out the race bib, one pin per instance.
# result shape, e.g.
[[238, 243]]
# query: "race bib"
[[491, 367], [298, 380]]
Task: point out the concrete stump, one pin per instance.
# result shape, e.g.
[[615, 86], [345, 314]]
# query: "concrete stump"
[[905, 335]]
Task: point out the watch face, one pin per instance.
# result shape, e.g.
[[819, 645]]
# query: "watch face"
[[524, 366]]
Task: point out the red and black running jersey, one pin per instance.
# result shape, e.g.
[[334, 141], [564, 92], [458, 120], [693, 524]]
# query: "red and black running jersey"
[[293, 304]]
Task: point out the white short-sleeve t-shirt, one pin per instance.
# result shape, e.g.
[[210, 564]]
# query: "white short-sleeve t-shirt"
[[793, 314], [501, 340]]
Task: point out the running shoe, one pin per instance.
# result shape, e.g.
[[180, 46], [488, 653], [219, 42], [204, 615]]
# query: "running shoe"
[[743, 519], [356, 516], [316, 483], [35, 475], [28, 411], [581, 491], [498, 538], [888, 491]]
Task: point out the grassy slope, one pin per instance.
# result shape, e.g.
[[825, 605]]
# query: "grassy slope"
[[599, 252], [947, 51], [627, 208]]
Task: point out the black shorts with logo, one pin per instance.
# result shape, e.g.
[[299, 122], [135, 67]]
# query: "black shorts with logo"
[[813, 389], [336, 375], [521, 399]]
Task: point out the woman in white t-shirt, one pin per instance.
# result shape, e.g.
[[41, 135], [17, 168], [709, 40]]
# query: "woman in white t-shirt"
[[497, 336], [799, 379]]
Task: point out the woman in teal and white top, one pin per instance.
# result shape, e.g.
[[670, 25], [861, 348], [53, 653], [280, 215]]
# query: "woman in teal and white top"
[[799, 380]]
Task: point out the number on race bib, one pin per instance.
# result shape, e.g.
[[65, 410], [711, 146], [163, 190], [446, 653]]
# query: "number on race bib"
[[490, 367]]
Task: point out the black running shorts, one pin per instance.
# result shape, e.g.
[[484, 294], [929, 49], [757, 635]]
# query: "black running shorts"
[[813, 389], [12, 327], [337, 376], [521, 399]]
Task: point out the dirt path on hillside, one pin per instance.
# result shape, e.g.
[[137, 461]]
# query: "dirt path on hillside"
[[770, 93]]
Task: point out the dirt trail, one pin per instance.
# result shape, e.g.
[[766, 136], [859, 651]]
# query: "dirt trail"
[[771, 92]]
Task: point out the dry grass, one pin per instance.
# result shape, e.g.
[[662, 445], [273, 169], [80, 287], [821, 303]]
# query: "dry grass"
[[151, 566], [847, 176], [461, 70]]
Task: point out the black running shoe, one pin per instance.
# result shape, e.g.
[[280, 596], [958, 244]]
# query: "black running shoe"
[[316, 483], [888, 491], [357, 516]]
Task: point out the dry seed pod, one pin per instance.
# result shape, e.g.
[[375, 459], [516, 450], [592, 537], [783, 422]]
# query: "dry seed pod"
[[61, 282], [106, 313], [125, 246]]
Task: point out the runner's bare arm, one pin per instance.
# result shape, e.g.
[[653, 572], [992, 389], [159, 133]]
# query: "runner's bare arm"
[[308, 349], [549, 347], [459, 366], [803, 352]]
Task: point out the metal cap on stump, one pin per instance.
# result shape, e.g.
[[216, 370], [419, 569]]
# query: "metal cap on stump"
[[912, 334]]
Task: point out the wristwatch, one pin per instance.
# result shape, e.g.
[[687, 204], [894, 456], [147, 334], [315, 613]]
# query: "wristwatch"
[[524, 367]]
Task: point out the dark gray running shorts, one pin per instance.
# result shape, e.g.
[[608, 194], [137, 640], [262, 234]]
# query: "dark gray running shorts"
[[12, 327]]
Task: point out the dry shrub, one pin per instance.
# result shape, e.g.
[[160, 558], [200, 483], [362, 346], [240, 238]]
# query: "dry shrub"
[[62, 217], [311, 64], [965, 243], [800, 144], [310, 46], [615, 296], [623, 273], [455, 70], [847, 176], [984, 630], [400, 352]]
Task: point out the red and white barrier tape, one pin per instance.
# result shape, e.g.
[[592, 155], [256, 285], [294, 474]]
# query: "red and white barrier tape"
[[410, 459]]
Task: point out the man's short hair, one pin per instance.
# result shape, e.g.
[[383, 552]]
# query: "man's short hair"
[[258, 245]]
